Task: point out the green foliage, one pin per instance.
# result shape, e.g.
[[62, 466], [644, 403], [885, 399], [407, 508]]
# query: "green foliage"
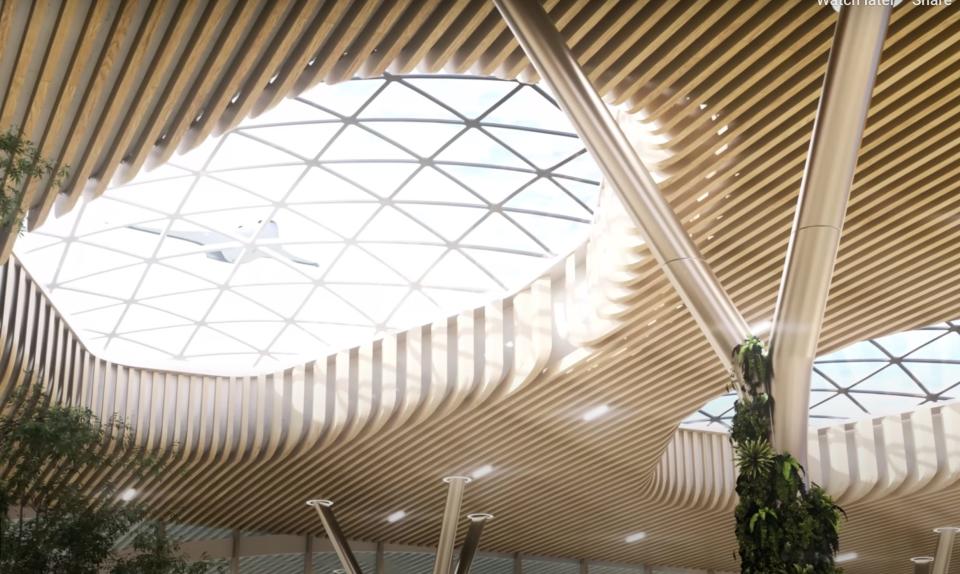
[[782, 527], [51, 520], [21, 161]]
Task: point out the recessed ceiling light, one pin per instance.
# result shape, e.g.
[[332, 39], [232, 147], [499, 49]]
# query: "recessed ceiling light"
[[635, 537], [128, 494], [396, 516], [595, 413], [845, 557], [482, 471]]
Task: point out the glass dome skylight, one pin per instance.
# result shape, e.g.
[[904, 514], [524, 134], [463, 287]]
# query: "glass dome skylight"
[[344, 213], [876, 377]]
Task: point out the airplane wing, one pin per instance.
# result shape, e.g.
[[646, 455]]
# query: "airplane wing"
[[197, 237], [294, 258]]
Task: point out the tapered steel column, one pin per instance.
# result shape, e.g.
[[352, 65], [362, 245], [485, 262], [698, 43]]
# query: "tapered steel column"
[[472, 541], [623, 170], [448, 530], [812, 251], [337, 539], [922, 564], [941, 563]]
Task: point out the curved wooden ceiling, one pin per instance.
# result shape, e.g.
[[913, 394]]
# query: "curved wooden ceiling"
[[732, 88]]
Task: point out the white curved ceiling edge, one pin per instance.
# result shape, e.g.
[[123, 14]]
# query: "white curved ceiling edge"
[[429, 370], [869, 459]]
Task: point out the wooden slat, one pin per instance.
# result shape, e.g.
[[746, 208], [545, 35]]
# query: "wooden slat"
[[109, 87]]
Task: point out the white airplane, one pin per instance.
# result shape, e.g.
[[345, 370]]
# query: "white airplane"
[[231, 254]]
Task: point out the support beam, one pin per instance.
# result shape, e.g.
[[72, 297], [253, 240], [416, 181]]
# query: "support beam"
[[611, 149], [941, 563], [337, 539], [922, 564], [235, 552], [448, 529], [379, 566], [812, 251], [472, 541], [308, 554]]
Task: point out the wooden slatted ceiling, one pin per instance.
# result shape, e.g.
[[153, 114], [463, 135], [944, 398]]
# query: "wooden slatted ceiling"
[[731, 86]]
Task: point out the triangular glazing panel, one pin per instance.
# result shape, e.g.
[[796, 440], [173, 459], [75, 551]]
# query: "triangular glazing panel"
[[529, 108], [319, 185], [271, 183], [457, 272], [422, 138], [484, 92], [849, 373], [162, 279], [161, 196], [193, 304], [863, 350], [946, 347], [295, 227], [130, 241], [410, 260], [357, 143], [475, 147], [305, 140], [357, 266], [392, 225], [290, 111], [168, 339], [430, 185], [257, 334], [543, 150], [891, 379], [378, 301], [582, 167], [494, 185], [499, 233], [381, 178], [232, 306], [138, 317], [210, 194], [934, 376], [833, 405], [415, 310], [399, 101], [900, 344], [879, 405], [325, 307], [560, 235], [118, 283], [239, 151], [344, 98], [88, 260], [509, 268], [545, 196], [210, 341], [450, 222], [345, 219], [281, 298]]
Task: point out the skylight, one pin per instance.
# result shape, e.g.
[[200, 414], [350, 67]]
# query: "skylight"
[[342, 214], [882, 376]]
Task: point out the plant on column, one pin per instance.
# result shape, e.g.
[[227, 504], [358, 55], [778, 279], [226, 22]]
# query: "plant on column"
[[782, 526]]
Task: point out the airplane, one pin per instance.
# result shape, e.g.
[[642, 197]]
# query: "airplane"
[[231, 254]]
